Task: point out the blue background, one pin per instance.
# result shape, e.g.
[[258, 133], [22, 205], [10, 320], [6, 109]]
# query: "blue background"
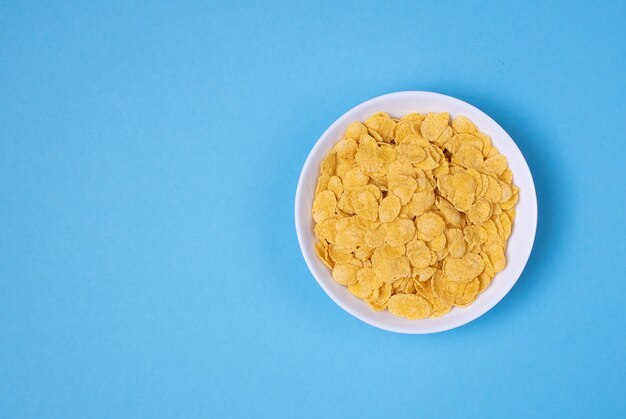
[[149, 155]]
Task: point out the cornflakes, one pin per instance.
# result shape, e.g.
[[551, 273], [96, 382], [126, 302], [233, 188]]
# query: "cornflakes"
[[413, 215], [411, 306]]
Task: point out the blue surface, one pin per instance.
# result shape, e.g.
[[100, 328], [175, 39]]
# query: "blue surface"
[[149, 155]]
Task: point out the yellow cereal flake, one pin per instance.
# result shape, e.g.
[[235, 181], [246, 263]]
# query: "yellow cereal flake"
[[346, 150], [449, 213], [322, 253], [391, 269], [326, 230], [429, 226], [413, 214], [354, 178], [374, 237], [335, 185], [507, 176], [345, 273], [424, 274], [389, 208], [469, 293], [465, 268], [364, 253], [400, 231], [419, 253], [368, 278], [455, 242], [391, 252], [324, 206], [496, 165], [355, 130], [407, 128], [461, 124], [381, 124], [410, 153], [438, 243], [348, 233], [434, 125], [340, 254], [410, 306], [359, 290], [365, 204], [479, 212], [382, 295], [402, 186]]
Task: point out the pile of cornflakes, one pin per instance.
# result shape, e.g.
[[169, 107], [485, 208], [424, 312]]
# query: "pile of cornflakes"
[[413, 214]]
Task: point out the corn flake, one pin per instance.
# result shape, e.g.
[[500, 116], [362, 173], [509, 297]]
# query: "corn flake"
[[389, 208], [410, 306]]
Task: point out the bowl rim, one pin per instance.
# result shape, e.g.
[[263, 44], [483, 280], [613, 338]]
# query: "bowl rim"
[[299, 203]]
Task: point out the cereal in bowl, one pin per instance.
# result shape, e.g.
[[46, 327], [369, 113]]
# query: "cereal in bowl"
[[413, 215]]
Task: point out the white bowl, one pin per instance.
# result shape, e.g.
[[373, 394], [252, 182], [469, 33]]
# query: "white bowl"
[[520, 242]]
